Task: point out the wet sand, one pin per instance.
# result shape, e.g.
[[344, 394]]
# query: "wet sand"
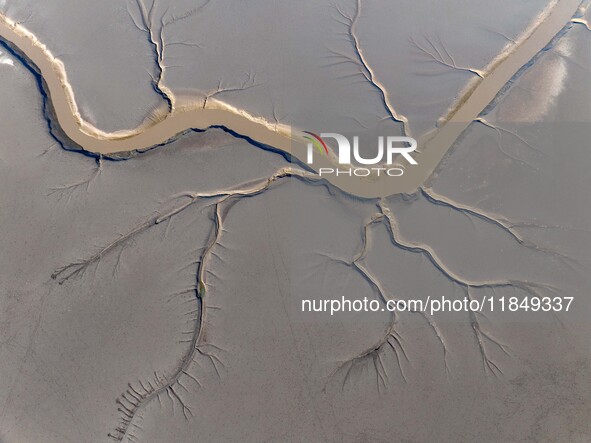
[[165, 126], [158, 299]]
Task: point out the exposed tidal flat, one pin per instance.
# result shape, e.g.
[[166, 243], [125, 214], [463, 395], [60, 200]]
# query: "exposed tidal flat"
[[158, 297], [201, 112]]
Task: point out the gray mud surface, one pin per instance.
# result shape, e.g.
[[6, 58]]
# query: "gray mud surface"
[[158, 298]]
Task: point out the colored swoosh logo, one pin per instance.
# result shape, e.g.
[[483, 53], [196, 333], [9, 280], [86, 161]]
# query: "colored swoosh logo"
[[317, 141]]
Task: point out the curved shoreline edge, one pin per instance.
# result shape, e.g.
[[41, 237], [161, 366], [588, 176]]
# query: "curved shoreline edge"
[[78, 134]]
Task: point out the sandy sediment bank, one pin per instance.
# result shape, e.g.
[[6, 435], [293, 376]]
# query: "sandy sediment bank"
[[164, 125]]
